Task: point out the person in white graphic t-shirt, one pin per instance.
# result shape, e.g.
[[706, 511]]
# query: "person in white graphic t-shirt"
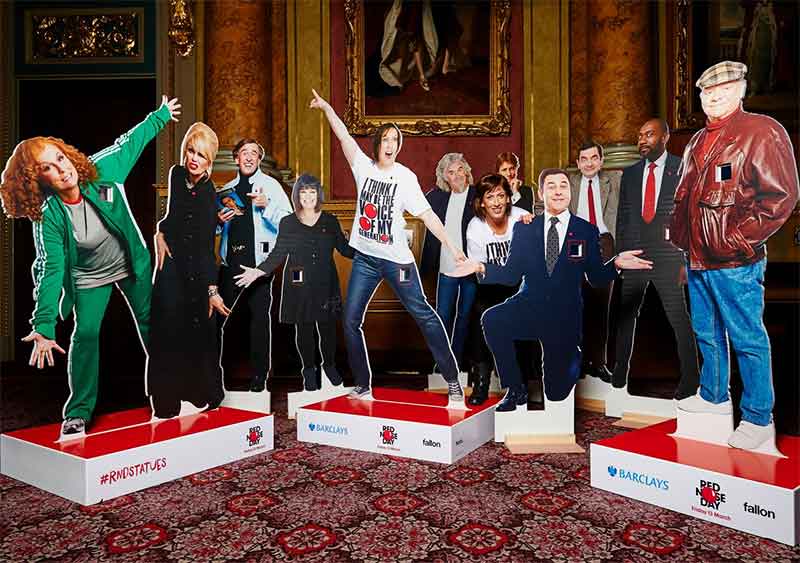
[[385, 190]]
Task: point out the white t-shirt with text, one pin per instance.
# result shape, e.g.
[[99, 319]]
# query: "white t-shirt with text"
[[379, 227]]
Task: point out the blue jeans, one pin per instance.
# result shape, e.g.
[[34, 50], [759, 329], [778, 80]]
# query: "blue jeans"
[[729, 304], [367, 273], [449, 292]]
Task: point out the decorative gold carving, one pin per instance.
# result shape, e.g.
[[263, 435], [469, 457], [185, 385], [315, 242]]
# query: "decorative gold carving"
[[684, 114], [497, 122], [181, 26], [80, 36]]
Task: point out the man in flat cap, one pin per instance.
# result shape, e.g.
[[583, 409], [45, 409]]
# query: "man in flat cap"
[[738, 186]]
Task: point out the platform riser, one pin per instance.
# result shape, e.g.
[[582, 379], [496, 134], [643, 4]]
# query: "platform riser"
[[674, 486], [367, 434], [89, 481]]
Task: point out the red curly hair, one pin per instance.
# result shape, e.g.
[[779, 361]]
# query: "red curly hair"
[[21, 190]]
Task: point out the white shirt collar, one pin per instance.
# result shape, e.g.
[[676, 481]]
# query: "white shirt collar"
[[563, 217]]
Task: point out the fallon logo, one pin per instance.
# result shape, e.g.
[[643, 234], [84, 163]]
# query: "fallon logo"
[[328, 429], [431, 443], [710, 494], [388, 435], [758, 511], [254, 436], [639, 478]]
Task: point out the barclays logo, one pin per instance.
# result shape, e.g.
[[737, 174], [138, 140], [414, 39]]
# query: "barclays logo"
[[328, 428], [639, 478]]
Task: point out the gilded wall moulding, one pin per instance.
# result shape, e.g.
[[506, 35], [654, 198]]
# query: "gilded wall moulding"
[[81, 36], [181, 26], [433, 68]]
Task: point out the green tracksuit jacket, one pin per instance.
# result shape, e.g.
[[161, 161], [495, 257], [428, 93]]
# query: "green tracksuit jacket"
[[56, 250]]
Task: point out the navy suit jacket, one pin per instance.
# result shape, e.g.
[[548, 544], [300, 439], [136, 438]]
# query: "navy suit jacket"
[[556, 298]]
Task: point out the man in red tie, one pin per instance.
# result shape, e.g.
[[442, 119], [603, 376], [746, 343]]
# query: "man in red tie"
[[595, 198], [646, 200]]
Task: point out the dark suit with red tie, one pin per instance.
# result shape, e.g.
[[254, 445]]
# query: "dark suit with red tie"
[[653, 237], [548, 307]]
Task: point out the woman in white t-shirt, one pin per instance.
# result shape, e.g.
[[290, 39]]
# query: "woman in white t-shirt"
[[489, 236], [385, 190]]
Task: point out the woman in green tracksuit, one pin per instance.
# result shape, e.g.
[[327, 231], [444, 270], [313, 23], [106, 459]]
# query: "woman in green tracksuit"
[[86, 241]]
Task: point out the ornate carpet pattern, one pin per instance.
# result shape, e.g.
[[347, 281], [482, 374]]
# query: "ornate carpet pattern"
[[304, 502]]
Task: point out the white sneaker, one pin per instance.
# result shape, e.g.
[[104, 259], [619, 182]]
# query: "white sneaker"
[[749, 436], [698, 404]]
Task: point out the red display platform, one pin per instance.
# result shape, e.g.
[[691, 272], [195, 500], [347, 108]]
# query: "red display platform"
[[414, 424], [751, 492], [126, 451]]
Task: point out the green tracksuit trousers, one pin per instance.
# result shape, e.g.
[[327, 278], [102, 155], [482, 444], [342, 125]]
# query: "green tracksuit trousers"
[[83, 363]]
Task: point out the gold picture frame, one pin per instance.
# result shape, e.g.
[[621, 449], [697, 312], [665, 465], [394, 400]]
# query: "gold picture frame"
[[495, 121]]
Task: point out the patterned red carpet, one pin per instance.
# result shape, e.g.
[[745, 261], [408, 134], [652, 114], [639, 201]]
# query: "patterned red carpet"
[[313, 503]]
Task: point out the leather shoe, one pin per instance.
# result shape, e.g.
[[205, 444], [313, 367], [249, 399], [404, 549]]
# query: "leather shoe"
[[602, 373], [258, 383], [480, 390], [310, 380], [512, 400]]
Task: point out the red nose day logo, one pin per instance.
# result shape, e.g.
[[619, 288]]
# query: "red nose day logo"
[[254, 436], [388, 435], [710, 494]]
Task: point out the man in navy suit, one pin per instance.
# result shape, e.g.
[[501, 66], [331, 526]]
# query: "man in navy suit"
[[645, 203], [552, 254]]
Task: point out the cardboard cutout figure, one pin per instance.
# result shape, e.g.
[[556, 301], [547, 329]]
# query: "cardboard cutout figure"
[[385, 190], [86, 242], [738, 186], [310, 294], [489, 237], [184, 360], [252, 206], [551, 255]]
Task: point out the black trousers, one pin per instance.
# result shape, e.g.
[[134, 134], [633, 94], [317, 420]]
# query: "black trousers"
[[596, 301], [674, 302], [488, 296], [251, 314], [306, 341]]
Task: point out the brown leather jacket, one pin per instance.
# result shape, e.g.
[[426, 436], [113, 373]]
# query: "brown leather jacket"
[[726, 223]]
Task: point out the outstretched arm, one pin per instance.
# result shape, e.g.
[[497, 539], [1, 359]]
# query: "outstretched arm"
[[349, 145], [114, 163], [434, 225]]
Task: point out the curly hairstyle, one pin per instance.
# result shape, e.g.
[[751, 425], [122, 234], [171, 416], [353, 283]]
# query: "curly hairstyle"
[[21, 189], [444, 163]]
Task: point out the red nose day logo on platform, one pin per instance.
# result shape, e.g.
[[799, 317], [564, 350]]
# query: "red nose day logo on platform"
[[376, 210], [388, 435], [254, 436], [711, 497]]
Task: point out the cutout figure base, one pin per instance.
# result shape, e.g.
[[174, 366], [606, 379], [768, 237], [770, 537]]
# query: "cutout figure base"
[[255, 401], [437, 384], [714, 429], [630, 408], [128, 451], [551, 430], [325, 392], [413, 424], [590, 394], [747, 491]]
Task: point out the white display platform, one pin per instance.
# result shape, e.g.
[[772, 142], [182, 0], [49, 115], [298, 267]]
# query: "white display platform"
[[413, 424], [127, 451], [619, 402], [325, 392], [714, 429], [255, 401], [549, 430], [592, 388], [747, 491]]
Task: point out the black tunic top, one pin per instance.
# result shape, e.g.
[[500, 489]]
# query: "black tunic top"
[[310, 290], [184, 361]]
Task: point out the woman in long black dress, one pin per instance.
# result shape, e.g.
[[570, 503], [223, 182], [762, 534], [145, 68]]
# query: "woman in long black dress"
[[310, 296], [184, 358]]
